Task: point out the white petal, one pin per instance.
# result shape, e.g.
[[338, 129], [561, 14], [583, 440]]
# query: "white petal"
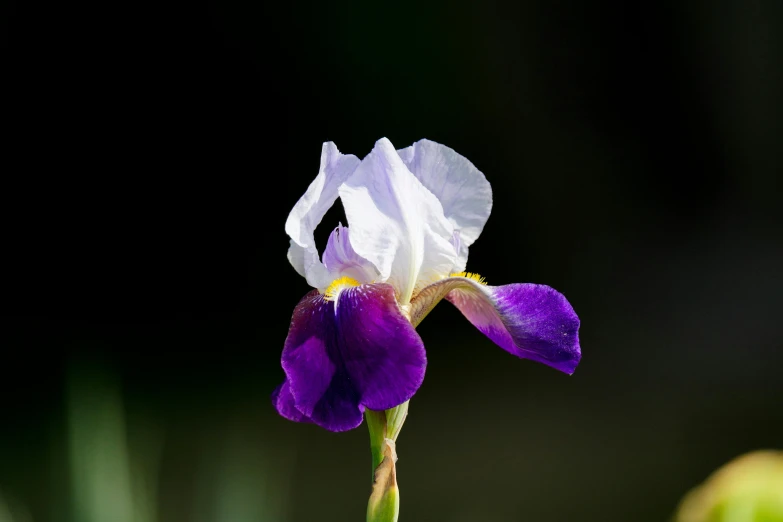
[[310, 209], [296, 256], [396, 223], [462, 189], [340, 259]]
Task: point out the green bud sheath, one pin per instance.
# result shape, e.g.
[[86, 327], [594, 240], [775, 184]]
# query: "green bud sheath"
[[384, 504], [384, 426]]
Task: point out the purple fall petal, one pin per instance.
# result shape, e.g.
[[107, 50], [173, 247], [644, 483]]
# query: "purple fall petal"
[[343, 355], [283, 401], [530, 321], [381, 351]]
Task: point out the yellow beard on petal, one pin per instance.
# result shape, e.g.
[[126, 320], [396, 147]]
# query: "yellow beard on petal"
[[338, 285], [470, 275]]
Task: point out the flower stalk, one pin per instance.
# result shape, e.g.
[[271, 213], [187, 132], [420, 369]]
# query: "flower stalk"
[[384, 426]]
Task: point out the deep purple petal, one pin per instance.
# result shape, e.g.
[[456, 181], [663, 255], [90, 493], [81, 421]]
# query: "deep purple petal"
[[283, 401], [382, 352], [530, 321], [364, 353]]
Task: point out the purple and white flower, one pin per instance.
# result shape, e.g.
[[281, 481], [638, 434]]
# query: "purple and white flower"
[[412, 214]]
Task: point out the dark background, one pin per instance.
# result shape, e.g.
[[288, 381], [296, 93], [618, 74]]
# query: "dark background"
[[153, 152]]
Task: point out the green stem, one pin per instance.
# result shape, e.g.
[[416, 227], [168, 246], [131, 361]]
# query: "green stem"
[[376, 422], [384, 426]]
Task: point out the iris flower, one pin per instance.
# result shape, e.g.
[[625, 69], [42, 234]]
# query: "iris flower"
[[412, 215]]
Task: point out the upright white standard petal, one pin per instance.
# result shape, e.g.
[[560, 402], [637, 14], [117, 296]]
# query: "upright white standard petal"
[[461, 188], [310, 209], [396, 223]]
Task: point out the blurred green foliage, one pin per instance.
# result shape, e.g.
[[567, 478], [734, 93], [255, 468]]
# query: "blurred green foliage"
[[748, 489], [123, 462], [114, 467]]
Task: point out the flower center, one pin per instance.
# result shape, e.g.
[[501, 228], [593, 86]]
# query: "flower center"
[[338, 285]]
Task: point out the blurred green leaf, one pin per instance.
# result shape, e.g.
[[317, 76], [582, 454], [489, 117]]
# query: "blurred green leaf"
[[748, 489]]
